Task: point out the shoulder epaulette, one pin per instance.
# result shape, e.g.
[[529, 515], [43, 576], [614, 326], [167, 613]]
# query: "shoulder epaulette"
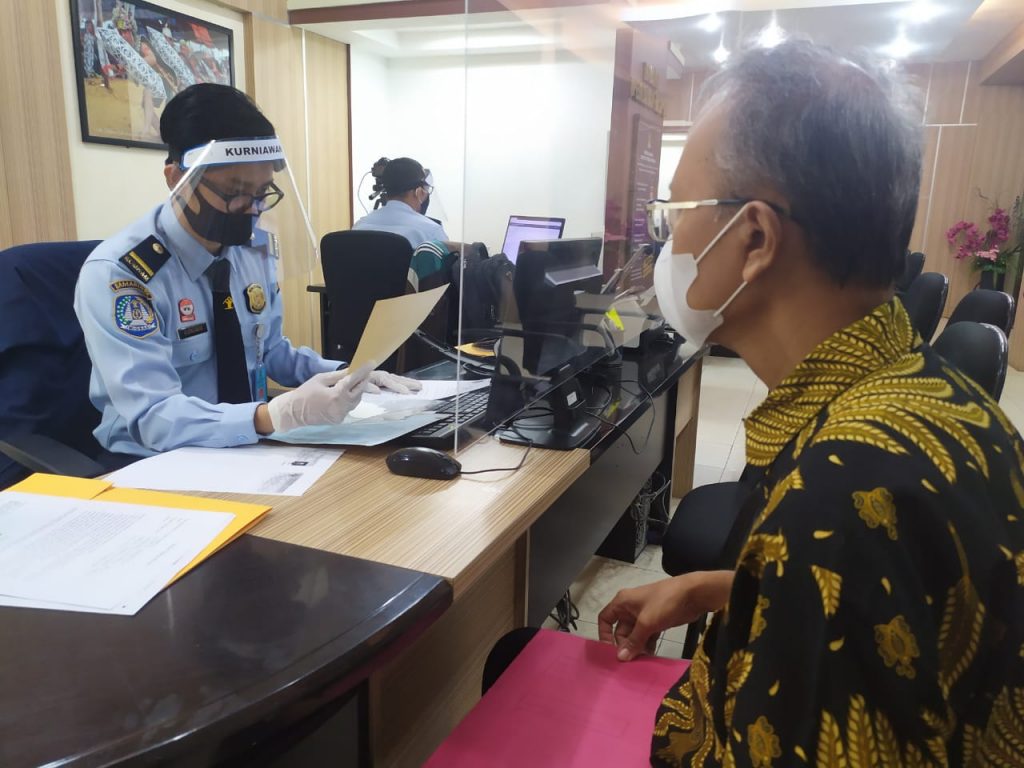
[[146, 258]]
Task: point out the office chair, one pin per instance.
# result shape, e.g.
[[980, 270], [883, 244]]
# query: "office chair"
[[913, 264], [984, 305], [360, 267], [46, 419], [978, 350], [696, 536], [925, 300]]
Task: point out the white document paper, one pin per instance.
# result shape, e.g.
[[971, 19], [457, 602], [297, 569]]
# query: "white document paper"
[[432, 390], [361, 432], [391, 322], [96, 556], [273, 470]]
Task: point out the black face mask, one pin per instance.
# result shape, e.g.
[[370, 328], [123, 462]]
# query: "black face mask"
[[425, 205], [218, 226]]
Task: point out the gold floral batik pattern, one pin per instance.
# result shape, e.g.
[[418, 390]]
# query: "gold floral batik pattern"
[[876, 612]]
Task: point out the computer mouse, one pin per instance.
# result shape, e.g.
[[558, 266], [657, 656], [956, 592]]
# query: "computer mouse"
[[423, 462]]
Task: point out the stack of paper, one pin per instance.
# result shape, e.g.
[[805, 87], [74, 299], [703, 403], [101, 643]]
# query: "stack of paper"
[[271, 470], [81, 545], [382, 417]]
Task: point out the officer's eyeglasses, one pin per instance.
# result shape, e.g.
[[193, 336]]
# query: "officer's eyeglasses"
[[244, 202], [662, 215]]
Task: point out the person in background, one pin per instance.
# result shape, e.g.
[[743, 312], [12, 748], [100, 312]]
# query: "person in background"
[[403, 197], [182, 315]]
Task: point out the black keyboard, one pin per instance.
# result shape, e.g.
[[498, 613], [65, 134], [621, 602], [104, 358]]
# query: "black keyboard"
[[472, 407]]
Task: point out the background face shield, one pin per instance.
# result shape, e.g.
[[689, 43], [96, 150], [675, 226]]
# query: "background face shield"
[[242, 192]]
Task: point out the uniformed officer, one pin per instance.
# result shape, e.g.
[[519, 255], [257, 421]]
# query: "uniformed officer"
[[182, 314], [404, 188]]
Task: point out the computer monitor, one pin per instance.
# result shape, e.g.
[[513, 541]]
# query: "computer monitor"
[[522, 228], [550, 278]]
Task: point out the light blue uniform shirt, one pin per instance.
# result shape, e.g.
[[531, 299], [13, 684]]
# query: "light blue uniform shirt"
[[401, 219], [154, 375]]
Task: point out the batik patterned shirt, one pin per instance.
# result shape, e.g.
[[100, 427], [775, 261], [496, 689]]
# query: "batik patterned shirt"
[[876, 613]]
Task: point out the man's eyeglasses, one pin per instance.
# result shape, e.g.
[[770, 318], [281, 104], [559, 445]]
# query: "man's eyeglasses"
[[662, 215], [242, 203]]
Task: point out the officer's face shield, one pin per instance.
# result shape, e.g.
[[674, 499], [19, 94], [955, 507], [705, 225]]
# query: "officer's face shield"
[[243, 192]]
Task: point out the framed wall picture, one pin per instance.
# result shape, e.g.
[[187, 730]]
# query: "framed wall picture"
[[131, 58]]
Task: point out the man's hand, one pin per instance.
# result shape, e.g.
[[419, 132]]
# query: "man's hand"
[[327, 398], [634, 616]]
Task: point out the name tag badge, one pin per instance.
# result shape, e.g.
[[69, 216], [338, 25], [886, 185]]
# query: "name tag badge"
[[192, 330], [259, 383]]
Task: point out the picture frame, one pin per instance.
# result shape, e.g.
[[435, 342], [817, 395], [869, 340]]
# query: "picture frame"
[[132, 57]]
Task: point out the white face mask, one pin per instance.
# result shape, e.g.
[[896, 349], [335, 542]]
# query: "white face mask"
[[674, 273]]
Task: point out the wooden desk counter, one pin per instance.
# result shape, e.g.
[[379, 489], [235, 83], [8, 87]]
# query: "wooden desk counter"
[[475, 533], [456, 529]]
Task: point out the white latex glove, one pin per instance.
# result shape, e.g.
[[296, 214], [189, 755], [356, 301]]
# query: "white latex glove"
[[327, 398], [383, 380]]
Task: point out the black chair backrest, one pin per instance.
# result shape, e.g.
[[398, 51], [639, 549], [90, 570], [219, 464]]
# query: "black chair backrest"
[[979, 350], [984, 305], [44, 365], [925, 300], [913, 264], [360, 268]]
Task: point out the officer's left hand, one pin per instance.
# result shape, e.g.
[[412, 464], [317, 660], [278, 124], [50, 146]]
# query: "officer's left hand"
[[383, 380]]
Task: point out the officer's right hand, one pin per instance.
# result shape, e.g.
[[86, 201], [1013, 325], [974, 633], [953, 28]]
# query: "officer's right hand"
[[327, 398]]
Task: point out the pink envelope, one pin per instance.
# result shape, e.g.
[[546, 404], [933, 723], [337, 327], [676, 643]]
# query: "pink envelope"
[[565, 701]]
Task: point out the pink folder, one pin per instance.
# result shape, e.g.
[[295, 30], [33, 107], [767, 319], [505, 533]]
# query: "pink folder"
[[565, 701]]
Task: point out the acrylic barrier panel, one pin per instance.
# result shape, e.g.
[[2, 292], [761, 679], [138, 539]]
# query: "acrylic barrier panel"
[[407, 111], [555, 275]]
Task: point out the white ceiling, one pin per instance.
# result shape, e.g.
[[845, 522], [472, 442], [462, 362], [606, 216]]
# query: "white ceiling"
[[959, 30]]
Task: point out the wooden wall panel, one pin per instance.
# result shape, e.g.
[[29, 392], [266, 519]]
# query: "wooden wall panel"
[[946, 92], [699, 78], [677, 97], [972, 97], [6, 225], [278, 89], [928, 155], [955, 153], [276, 10], [36, 163], [328, 133], [327, 92]]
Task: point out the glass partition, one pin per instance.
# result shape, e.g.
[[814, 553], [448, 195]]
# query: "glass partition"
[[562, 151]]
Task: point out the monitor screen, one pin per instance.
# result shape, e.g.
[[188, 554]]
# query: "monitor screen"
[[522, 228]]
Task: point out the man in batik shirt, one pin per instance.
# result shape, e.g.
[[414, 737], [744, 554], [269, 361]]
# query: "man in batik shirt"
[[875, 613]]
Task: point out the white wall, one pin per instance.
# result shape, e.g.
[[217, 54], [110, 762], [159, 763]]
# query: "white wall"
[[503, 134], [371, 123], [113, 186]]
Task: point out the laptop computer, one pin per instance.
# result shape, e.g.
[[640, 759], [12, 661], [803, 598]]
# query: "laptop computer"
[[522, 228]]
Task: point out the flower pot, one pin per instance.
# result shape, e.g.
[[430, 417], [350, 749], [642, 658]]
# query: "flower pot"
[[992, 281]]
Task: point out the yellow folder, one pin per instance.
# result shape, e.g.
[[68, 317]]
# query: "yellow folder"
[[245, 515]]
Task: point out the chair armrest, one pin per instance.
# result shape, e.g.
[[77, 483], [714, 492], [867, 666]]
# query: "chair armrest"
[[39, 453]]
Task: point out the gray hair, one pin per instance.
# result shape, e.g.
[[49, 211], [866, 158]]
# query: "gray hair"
[[838, 137]]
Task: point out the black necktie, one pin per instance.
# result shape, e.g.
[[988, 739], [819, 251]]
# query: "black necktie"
[[232, 372]]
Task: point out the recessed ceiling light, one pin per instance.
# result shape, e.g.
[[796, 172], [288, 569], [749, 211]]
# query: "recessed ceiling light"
[[921, 11], [899, 48], [771, 35], [710, 23], [721, 54]]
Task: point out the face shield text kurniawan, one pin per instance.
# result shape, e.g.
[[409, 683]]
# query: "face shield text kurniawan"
[[241, 192]]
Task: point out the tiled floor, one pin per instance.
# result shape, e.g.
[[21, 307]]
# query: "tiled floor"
[[729, 391]]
